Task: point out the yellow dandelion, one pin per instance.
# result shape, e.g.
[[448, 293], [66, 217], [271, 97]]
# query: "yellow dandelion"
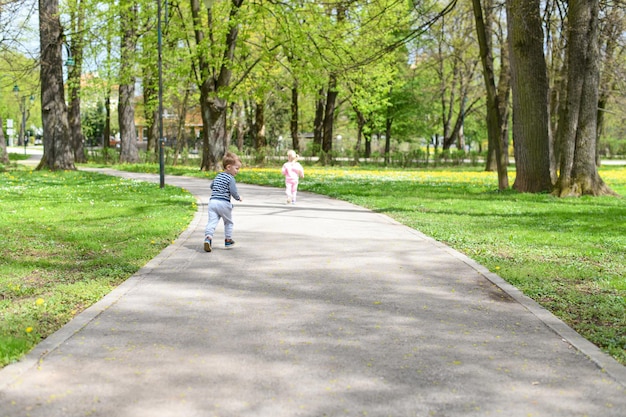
[[39, 301], [29, 329]]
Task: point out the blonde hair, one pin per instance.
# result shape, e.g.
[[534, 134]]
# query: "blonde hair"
[[292, 156], [230, 159]]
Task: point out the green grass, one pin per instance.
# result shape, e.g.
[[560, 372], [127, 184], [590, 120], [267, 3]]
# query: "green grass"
[[68, 238], [568, 254]]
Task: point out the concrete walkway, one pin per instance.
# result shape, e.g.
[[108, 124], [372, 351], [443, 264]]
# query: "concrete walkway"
[[321, 309]]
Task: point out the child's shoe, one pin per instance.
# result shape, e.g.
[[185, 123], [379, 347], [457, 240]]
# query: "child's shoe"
[[229, 242], [207, 245]]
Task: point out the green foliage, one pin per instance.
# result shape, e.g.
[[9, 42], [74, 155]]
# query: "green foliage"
[[92, 123], [68, 239], [612, 148]]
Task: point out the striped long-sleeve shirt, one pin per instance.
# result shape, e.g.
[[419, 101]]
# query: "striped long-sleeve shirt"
[[223, 187]]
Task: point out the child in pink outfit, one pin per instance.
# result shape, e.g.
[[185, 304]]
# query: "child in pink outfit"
[[293, 171]]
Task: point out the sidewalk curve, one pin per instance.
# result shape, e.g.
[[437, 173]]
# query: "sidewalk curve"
[[321, 309]]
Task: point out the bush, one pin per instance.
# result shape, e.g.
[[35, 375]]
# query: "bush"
[[612, 148]]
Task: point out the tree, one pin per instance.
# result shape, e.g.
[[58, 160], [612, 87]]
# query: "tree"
[[613, 52], [58, 151], [214, 76], [577, 135], [497, 98], [4, 156], [76, 46], [530, 97], [456, 65], [126, 105]]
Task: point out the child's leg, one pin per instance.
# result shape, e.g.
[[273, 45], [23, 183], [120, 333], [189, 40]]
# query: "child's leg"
[[291, 191], [288, 191], [225, 211], [228, 226], [294, 191], [214, 218]]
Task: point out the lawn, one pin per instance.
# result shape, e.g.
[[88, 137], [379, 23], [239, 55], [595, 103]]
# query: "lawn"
[[68, 238], [567, 254]]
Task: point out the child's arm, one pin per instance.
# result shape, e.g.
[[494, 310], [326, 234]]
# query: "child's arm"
[[233, 190]]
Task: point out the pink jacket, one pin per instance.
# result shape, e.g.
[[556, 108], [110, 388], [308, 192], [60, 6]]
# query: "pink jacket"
[[292, 171]]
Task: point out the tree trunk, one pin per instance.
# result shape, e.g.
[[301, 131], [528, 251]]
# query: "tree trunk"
[[612, 30], [318, 122], [388, 124], [107, 109], [556, 41], [126, 105], [238, 124], [107, 121], [213, 81], [58, 153], [259, 125], [530, 97], [150, 107], [78, 139], [213, 111], [77, 18], [579, 173], [329, 119], [447, 103], [128, 133], [367, 136], [495, 123], [4, 156], [504, 94], [360, 123], [293, 123], [181, 136]]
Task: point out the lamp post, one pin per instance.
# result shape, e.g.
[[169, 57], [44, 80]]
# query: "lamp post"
[[160, 68]]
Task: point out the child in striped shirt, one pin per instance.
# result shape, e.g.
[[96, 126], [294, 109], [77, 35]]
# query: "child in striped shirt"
[[223, 188]]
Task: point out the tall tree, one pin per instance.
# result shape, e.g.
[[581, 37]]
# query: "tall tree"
[[294, 128], [126, 105], [214, 76], [58, 152], [612, 54], [555, 48], [76, 46], [530, 97], [497, 104], [577, 134]]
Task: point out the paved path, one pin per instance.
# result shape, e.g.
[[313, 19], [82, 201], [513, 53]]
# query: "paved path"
[[322, 309]]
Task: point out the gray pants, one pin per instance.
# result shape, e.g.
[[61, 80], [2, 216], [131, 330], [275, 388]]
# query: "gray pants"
[[219, 209]]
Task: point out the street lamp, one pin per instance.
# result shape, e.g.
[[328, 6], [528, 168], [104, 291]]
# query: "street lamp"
[[160, 71]]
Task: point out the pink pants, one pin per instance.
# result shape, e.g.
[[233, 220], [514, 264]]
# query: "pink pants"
[[291, 189]]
